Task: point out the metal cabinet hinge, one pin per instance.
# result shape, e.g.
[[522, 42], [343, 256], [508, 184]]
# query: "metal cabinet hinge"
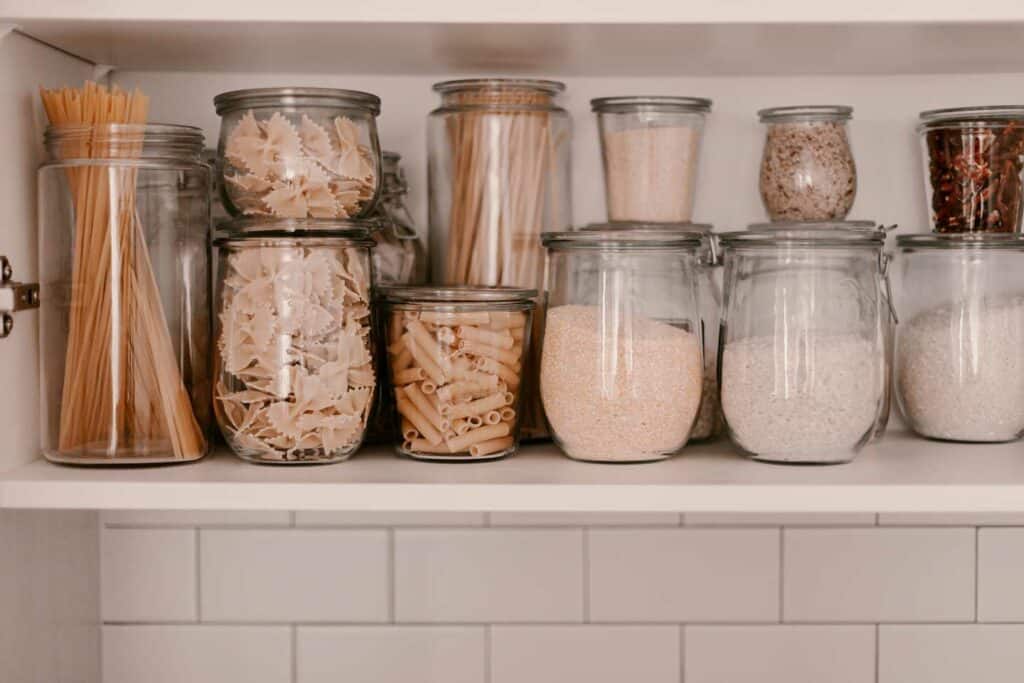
[[14, 296]]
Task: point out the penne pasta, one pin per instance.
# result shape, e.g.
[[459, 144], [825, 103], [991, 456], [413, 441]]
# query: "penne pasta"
[[507, 414], [468, 389], [492, 417], [501, 340], [409, 432], [423, 359], [505, 356], [413, 393], [474, 421], [445, 335], [403, 361], [503, 320], [491, 446], [491, 366], [517, 333], [428, 387], [408, 410], [464, 318], [427, 343], [477, 407], [407, 376], [478, 435], [424, 446], [461, 426]]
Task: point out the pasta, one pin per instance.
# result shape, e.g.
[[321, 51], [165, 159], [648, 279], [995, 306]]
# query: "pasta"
[[456, 377]]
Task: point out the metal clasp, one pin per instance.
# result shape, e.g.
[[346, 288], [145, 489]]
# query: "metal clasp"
[[883, 268], [14, 297]]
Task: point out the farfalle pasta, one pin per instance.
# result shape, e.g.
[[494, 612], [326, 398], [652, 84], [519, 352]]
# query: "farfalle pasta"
[[296, 375], [455, 358], [299, 152]]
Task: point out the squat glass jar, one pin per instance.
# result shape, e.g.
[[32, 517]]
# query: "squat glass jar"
[[802, 366], [455, 357], [959, 368], [807, 169], [124, 269], [294, 364], [299, 152], [622, 369]]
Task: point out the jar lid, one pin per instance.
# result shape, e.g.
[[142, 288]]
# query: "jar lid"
[[814, 225], [356, 231], [1003, 112], [962, 240], [124, 140], [454, 294], [255, 98], [806, 112], [805, 237], [665, 103], [539, 84], [702, 228], [623, 239]]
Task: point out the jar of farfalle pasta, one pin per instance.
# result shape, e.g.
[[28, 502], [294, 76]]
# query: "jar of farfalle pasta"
[[294, 362], [299, 152], [455, 357]]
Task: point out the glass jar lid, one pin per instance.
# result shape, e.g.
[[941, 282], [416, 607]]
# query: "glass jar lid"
[[702, 228], [805, 237], [358, 232], [620, 237], [461, 84], [455, 294], [664, 103], [962, 240], [813, 225], [124, 141], [807, 112], [255, 98]]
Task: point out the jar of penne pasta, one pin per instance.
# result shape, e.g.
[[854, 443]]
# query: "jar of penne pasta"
[[455, 358]]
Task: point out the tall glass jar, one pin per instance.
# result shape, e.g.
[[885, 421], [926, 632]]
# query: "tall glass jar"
[[974, 168], [299, 152], [124, 214], [650, 147], [295, 363], [959, 368], [807, 169], [802, 361], [399, 258], [622, 367], [499, 173], [709, 297], [455, 357]]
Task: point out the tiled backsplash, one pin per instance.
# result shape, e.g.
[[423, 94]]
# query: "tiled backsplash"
[[270, 597]]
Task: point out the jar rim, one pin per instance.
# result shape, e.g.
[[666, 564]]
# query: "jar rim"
[[623, 239], [954, 115], [454, 294], [962, 240], [294, 239], [815, 237], [460, 84], [806, 112], [357, 231], [649, 226], [124, 141], [233, 100], [662, 103], [778, 226]]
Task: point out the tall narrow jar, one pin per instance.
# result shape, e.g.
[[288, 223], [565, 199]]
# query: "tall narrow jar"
[[124, 214], [499, 160]]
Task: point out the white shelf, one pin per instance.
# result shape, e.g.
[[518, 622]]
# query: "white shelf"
[[900, 474]]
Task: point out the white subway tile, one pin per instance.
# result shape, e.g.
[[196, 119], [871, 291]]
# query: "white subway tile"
[[294, 575], [684, 574], [196, 654], [591, 654], [148, 574], [951, 519], [584, 519], [390, 654], [485, 575], [1000, 575], [879, 575], [779, 654], [950, 654], [214, 518], [374, 518], [779, 519]]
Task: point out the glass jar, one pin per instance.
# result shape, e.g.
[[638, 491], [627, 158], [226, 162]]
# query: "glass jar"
[[651, 149], [709, 298], [622, 367], [124, 214], [959, 368], [807, 169], [499, 175], [299, 152], [802, 364], [455, 356], [294, 364], [399, 258], [974, 168]]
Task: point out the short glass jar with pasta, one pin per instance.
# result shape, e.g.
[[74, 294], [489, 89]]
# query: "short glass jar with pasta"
[[802, 362], [959, 360], [299, 152], [295, 369], [455, 357], [622, 363]]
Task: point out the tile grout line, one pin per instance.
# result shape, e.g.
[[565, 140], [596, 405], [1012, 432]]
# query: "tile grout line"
[[199, 575], [782, 574], [391, 575], [977, 566], [295, 653], [488, 659], [878, 664], [585, 533], [682, 653]]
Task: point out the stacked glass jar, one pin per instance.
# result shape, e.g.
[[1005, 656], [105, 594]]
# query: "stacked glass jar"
[[300, 170]]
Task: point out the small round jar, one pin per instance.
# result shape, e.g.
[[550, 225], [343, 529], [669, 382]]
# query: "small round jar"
[[807, 169], [651, 150], [399, 258], [622, 362], [959, 366], [974, 168], [455, 361], [802, 362], [299, 152], [294, 362]]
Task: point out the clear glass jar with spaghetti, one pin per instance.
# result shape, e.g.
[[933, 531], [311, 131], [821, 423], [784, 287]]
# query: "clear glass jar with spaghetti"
[[455, 357], [294, 363]]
